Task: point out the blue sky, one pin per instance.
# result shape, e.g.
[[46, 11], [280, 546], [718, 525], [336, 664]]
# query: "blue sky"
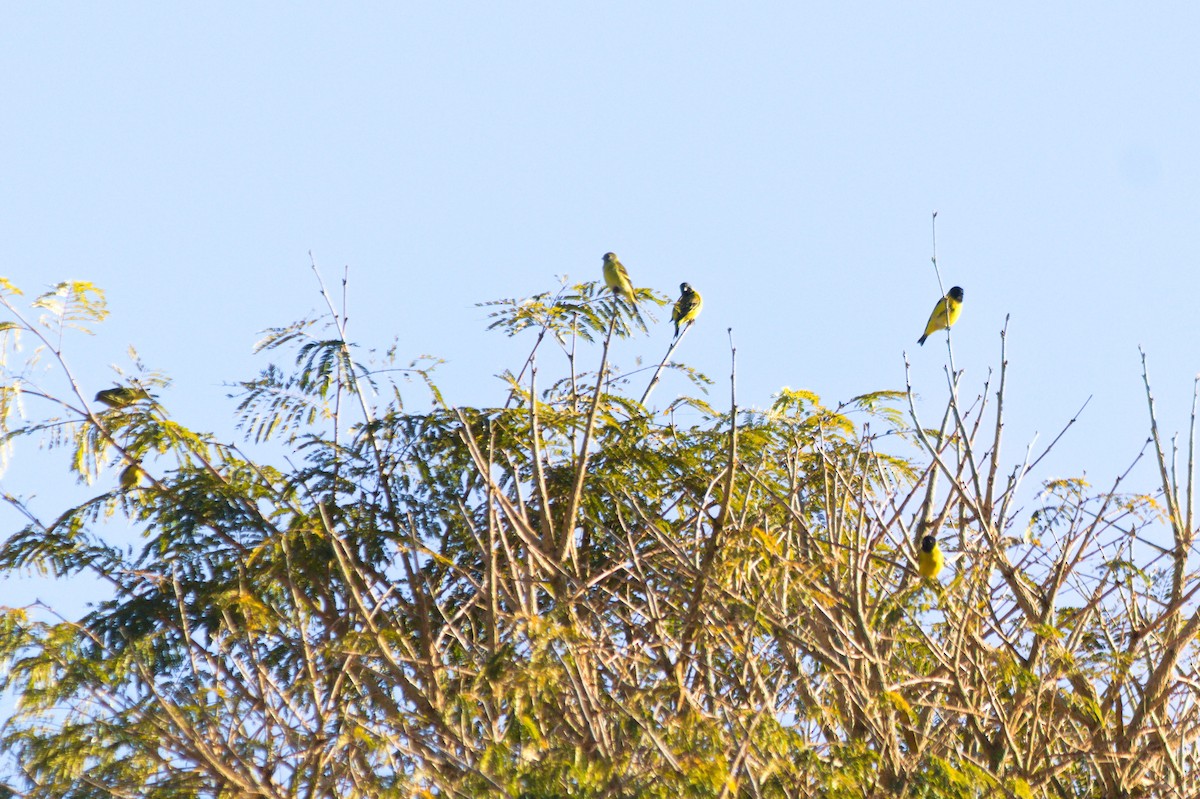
[[783, 158]]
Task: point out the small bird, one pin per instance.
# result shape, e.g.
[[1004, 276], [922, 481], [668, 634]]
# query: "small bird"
[[687, 307], [615, 276], [930, 559], [945, 313], [122, 396], [130, 476]]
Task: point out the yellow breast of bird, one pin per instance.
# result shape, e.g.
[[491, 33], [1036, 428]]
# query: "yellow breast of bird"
[[953, 311]]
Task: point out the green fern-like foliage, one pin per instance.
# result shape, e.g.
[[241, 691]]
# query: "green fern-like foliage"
[[571, 593]]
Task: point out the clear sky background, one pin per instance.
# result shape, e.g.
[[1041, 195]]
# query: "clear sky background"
[[784, 158]]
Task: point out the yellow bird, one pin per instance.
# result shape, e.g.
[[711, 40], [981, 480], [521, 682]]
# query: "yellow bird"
[[687, 307], [121, 396], [130, 476], [615, 276], [930, 559], [945, 313]]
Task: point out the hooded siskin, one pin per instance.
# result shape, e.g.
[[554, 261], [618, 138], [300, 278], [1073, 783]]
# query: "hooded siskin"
[[930, 559], [945, 313], [616, 278], [687, 307], [122, 396]]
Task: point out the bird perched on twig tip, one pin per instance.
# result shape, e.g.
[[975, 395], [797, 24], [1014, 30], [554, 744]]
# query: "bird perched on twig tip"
[[616, 278], [945, 313], [687, 307]]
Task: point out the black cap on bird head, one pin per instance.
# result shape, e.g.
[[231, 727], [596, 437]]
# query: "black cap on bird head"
[[956, 293], [612, 256], [928, 543], [684, 288]]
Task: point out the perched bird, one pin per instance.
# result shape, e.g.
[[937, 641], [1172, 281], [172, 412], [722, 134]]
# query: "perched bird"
[[930, 559], [615, 276], [130, 476], [687, 307], [121, 396], [945, 313]]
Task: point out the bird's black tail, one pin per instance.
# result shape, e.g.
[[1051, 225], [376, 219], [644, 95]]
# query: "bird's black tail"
[[921, 340]]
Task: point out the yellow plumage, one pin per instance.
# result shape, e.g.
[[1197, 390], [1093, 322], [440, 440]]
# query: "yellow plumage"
[[687, 307], [930, 559], [616, 278], [130, 476], [945, 313], [121, 396]]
